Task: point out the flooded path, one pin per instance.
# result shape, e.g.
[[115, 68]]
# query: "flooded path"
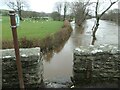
[[58, 66]]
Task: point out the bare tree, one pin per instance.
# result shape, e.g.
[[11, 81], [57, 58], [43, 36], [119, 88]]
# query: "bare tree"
[[80, 10], [65, 8], [98, 17], [58, 6], [17, 5]]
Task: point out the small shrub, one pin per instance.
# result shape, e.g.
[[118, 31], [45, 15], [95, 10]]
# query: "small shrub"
[[36, 42], [7, 44], [47, 43], [25, 43]]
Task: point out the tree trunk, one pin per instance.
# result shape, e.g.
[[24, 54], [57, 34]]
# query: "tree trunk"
[[93, 41], [64, 13], [60, 18], [19, 12], [94, 31]]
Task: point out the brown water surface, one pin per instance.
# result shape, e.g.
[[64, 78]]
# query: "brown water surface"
[[58, 64]]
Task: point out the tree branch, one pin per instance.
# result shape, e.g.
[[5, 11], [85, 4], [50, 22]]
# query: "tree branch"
[[96, 9], [108, 8]]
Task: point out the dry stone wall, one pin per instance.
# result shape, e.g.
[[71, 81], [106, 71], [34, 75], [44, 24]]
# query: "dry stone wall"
[[31, 64], [96, 64]]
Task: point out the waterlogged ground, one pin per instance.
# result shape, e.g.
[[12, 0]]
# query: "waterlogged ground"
[[58, 66], [106, 34]]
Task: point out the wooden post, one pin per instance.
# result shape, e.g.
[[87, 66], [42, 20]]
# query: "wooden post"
[[16, 47]]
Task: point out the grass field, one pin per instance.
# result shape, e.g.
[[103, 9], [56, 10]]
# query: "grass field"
[[30, 29]]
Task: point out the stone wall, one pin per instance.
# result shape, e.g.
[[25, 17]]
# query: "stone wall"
[[96, 64], [31, 64]]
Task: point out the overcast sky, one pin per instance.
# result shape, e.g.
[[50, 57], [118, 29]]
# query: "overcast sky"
[[37, 5], [44, 5]]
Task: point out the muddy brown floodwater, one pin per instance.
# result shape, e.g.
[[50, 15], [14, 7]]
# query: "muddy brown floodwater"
[[58, 66]]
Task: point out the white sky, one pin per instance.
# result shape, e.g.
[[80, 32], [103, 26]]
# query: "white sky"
[[38, 5], [44, 5]]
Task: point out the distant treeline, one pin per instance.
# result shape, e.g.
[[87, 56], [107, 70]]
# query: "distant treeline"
[[26, 14], [36, 15], [4, 12], [112, 15]]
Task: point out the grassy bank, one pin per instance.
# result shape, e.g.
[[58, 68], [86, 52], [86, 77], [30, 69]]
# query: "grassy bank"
[[30, 28], [48, 36]]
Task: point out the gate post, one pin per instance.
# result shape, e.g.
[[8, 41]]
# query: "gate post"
[[16, 47]]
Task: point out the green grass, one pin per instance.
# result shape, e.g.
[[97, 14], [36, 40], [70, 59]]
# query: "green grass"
[[30, 29]]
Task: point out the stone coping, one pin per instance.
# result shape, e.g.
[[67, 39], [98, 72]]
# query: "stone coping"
[[24, 52], [91, 50]]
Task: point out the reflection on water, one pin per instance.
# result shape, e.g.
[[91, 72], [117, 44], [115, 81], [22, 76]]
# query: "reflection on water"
[[48, 55], [58, 64]]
